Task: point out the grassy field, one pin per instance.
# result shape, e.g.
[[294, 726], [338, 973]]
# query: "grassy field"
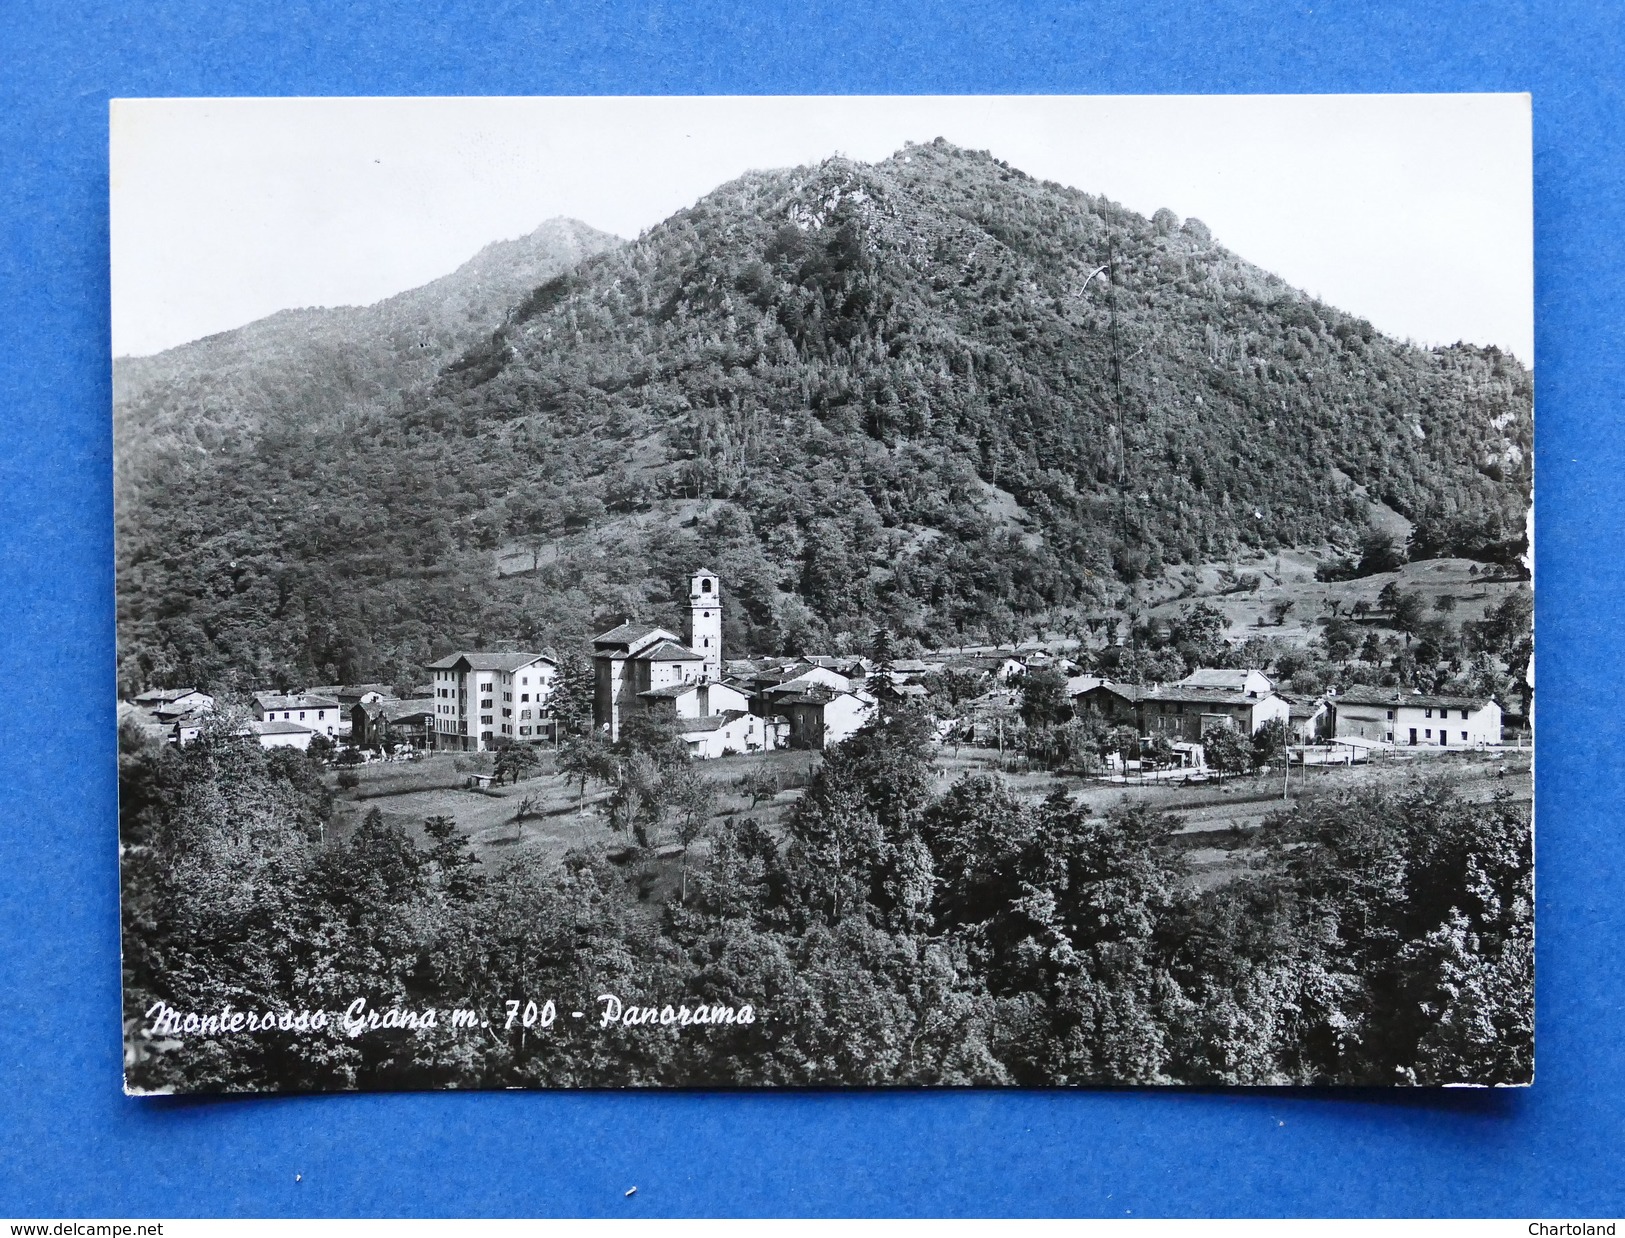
[[1290, 577], [408, 793], [1217, 820]]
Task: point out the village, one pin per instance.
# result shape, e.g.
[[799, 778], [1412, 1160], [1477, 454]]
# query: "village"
[[1219, 749]]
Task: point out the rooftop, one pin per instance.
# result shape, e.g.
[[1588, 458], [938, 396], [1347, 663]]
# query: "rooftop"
[[669, 693], [279, 727], [275, 700], [711, 722], [1364, 694], [1221, 677], [480, 661], [630, 634], [159, 696], [668, 651]]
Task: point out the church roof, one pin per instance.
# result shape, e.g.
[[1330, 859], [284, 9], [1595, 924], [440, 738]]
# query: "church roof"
[[630, 634], [669, 693], [667, 651]]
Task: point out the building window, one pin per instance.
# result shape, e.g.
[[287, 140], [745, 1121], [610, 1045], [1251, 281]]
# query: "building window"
[[1390, 715], [301, 715], [524, 696], [705, 585], [1428, 734], [485, 720], [1464, 715], [1464, 735], [524, 730]]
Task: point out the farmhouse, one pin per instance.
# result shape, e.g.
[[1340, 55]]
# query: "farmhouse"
[[1307, 720], [1412, 719], [1253, 683], [696, 700], [173, 701], [1184, 710], [482, 698], [385, 723], [820, 717], [275, 733], [318, 713], [724, 734]]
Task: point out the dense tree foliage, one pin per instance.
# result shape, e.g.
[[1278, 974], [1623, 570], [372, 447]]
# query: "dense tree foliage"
[[898, 935], [866, 395]]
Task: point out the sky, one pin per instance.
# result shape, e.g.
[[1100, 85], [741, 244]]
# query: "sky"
[[1413, 211]]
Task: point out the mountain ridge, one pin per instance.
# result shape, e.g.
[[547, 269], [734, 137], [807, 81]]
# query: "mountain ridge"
[[811, 379], [229, 382]]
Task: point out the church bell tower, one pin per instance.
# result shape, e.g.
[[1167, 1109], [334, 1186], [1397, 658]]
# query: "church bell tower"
[[703, 631]]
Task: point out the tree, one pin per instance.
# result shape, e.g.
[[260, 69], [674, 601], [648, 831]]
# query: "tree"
[[1404, 607], [1268, 740], [1279, 610], [693, 803], [655, 733], [1227, 750], [515, 761], [1044, 701], [759, 784], [571, 699], [1197, 632], [1341, 638], [641, 798], [881, 649], [1379, 553], [320, 749], [587, 758]]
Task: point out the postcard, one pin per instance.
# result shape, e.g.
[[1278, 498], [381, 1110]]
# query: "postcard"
[[824, 592]]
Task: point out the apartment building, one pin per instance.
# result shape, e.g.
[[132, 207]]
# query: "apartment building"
[[482, 699]]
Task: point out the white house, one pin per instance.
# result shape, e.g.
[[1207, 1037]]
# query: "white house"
[[482, 698], [820, 717], [691, 699], [318, 713], [724, 734], [279, 734], [174, 701], [1413, 719], [1250, 682]]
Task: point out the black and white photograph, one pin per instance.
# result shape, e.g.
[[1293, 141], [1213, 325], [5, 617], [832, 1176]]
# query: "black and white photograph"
[[732, 592]]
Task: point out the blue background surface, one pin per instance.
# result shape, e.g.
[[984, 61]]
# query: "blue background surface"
[[72, 1144]]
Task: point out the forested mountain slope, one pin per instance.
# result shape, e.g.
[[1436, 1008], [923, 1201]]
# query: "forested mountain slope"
[[311, 365], [867, 395]]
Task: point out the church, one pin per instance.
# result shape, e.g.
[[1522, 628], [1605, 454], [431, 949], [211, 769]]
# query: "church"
[[637, 666]]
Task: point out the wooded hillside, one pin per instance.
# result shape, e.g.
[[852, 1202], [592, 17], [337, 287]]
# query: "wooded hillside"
[[866, 395]]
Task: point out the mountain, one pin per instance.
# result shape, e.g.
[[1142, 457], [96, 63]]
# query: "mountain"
[[311, 365], [869, 396]]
